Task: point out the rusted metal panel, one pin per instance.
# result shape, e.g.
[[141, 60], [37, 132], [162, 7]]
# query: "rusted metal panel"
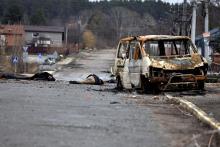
[[178, 63]]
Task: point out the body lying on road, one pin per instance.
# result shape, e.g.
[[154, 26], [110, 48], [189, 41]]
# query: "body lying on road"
[[91, 79], [43, 76]]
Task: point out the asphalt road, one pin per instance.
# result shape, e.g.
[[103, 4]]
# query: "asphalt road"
[[97, 62], [58, 114]]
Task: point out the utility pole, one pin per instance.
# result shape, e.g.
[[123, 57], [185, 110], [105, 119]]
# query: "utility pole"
[[206, 16], [206, 51], [66, 34], [193, 30]]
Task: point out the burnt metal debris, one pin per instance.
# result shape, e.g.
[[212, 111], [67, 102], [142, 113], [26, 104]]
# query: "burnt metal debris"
[[159, 62]]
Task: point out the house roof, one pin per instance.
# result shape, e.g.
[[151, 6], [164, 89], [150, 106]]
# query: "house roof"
[[55, 29]]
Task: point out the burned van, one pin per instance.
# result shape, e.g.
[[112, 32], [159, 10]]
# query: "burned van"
[[159, 62]]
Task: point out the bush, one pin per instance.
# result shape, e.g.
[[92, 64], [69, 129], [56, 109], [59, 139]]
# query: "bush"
[[89, 40]]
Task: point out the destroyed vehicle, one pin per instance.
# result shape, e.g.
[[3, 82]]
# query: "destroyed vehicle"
[[159, 62]]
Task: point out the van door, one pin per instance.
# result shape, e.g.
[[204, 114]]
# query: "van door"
[[121, 55], [135, 63]]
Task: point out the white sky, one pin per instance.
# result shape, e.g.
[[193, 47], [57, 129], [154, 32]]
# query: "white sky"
[[174, 1], [171, 1]]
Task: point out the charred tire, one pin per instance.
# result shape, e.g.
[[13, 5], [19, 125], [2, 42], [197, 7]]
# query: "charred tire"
[[201, 85], [145, 85], [119, 83], [142, 88], [156, 88]]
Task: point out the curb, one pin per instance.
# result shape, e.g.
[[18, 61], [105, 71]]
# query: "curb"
[[196, 111]]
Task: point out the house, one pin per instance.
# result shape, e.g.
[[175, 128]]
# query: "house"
[[39, 39], [213, 44], [12, 35], [44, 36], [201, 41]]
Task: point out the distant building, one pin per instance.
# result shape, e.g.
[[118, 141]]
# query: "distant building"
[[39, 39], [201, 41], [213, 42], [12, 35], [44, 36]]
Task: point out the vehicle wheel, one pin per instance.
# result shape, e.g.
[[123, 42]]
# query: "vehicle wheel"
[[145, 85], [156, 89], [201, 85], [119, 83]]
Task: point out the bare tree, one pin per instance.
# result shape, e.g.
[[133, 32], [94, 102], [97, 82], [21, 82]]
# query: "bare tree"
[[130, 23], [84, 18], [124, 21]]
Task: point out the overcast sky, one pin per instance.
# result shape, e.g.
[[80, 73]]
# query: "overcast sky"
[[174, 1], [171, 1]]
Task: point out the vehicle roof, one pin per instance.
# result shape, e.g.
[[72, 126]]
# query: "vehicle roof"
[[154, 37]]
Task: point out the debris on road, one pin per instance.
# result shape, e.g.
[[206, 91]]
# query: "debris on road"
[[213, 78], [115, 102], [156, 98]]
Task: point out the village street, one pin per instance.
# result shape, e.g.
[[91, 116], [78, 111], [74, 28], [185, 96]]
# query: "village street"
[[59, 114]]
